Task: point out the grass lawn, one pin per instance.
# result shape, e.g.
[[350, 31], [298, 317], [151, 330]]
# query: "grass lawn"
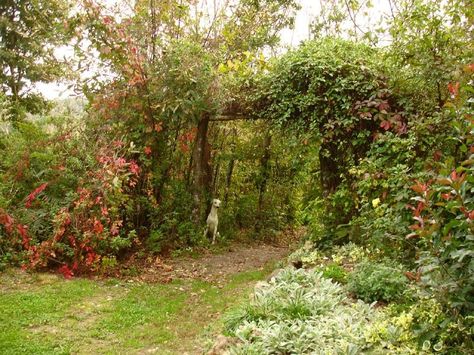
[[44, 313]]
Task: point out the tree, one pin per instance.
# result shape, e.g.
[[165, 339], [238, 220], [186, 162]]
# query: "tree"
[[166, 56], [30, 30]]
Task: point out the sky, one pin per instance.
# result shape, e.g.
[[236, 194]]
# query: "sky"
[[309, 10]]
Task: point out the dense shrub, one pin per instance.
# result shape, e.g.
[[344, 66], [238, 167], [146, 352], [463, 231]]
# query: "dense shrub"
[[64, 195], [426, 324], [301, 312], [334, 272], [377, 281], [341, 255], [443, 213]]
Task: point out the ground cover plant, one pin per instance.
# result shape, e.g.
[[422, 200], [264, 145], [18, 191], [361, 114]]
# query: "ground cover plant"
[[300, 311], [380, 310], [371, 281]]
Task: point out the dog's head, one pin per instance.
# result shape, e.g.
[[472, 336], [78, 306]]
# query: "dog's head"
[[216, 203]]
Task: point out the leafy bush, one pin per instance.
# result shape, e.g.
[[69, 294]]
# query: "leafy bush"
[[346, 254], [301, 312], [443, 221], [374, 281], [335, 272], [425, 324], [292, 294], [63, 195]]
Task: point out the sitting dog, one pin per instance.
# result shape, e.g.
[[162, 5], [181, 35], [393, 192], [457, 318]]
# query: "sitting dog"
[[212, 220]]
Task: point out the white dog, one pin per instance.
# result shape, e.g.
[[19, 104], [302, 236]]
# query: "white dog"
[[212, 220]]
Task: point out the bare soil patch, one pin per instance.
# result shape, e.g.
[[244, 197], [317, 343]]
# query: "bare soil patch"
[[239, 258], [212, 265]]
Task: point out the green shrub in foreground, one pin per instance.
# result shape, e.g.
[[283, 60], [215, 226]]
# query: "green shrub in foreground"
[[335, 272], [301, 312], [375, 281]]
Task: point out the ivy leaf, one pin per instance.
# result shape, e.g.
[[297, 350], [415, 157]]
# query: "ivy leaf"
[[461, 254]]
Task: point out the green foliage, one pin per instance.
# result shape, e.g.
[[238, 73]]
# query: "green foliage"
[[335, 272], [301, 312], [29, 32], [429, 40], [160, 101], [337, 91], [339, 255], [443, 214], [292, 295], [60, 203], [377, 281], [426, 324]]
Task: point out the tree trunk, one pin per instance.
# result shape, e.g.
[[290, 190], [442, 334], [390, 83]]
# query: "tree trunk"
[[215, 180], [202, 171], [264, 170], [263, 179], [228, 179], [329, 169]]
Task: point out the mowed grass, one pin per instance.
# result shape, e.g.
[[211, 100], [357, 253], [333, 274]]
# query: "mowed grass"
[[45, 314]]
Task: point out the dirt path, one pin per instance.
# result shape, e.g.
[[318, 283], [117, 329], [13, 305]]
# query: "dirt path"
[[218, 267], [213, 267], [231, 276]]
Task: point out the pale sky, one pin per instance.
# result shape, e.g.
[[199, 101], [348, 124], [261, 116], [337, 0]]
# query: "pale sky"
[[289, 38]]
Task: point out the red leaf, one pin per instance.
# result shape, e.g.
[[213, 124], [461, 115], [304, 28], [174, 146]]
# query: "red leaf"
[[446, 196], [72, 240], [120, 162], [90, 258], [418, 210], [147, 150], [66, 271], [134, 168], [98, 227], [7, 221], [107, 20], [24, 236], [115, 229], [402, 128], [454, 175], [419, 187], [453, 89], [30, 198], [384, 106], [184, 147], [420, 220], [385, 125]]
